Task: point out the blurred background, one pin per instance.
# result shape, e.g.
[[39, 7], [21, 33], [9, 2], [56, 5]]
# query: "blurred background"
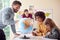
[[48, 6]]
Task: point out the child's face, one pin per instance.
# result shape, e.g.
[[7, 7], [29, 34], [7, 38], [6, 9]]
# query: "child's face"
[[26, 12], [38, 19], [48, 27]]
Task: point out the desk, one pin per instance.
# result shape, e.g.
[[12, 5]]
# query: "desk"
[[33, 38]]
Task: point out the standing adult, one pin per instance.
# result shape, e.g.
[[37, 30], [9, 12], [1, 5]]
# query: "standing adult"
[[7, 16]]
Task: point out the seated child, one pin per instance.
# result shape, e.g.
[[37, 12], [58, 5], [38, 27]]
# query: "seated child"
[[41, 30], [53, 29], [26, 14]]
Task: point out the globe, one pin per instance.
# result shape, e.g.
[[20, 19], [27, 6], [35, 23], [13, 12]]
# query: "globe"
[[22, 25]]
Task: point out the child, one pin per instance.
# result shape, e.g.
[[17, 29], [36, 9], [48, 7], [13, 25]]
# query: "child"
[[54, 32], [41, 30], [26, 14]]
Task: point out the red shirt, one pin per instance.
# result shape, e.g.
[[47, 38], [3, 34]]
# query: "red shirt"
[[29, 16]]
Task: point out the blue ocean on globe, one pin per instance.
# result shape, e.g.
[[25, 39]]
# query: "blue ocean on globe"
[[22, 25]]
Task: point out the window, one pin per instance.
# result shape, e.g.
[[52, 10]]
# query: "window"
[[0, 4], [5, 3]]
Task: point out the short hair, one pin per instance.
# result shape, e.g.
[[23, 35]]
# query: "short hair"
[[16, 2], [26, 10], [40, 14]]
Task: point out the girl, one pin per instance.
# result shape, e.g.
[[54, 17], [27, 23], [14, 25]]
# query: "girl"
[[54, 32]]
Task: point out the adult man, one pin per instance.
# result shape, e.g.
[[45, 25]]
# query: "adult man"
[[7, 16]]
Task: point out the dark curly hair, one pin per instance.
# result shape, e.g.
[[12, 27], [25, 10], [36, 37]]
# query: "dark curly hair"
[[40, 14]]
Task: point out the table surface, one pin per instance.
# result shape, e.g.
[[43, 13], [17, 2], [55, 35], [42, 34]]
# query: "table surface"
[[32, 38]]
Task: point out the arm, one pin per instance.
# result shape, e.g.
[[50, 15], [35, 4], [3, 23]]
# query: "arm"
[[13, 28], [54, 34]]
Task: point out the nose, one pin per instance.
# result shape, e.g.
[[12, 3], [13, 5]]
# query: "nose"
[[17, 8], [37, 19]]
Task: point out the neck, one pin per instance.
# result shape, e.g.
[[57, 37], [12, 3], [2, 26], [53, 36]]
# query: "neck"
[[40, 23]]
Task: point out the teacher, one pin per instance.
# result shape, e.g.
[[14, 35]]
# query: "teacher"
[[7, 16]]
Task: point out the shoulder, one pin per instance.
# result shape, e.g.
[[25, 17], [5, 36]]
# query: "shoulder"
[[8, 8], [55, 30]]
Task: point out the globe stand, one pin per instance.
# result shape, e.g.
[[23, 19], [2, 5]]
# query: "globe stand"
[[25, 37]]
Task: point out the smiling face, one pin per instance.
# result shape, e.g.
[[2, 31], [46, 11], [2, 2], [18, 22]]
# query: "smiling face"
[[16, 7], [38, 19], [26, 12], [48, 27], [40, 16]]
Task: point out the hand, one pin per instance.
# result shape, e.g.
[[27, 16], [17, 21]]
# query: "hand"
[[16, 35], [48, 33]]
